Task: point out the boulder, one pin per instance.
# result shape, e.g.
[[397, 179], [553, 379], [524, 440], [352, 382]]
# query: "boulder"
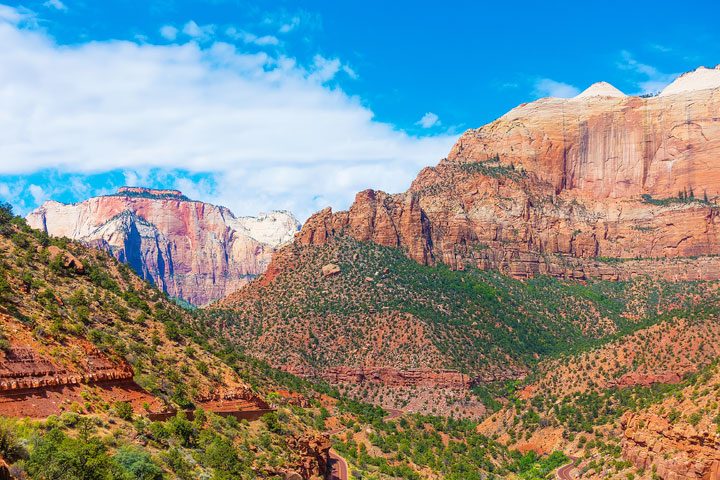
[[330, 269], [69, 261]]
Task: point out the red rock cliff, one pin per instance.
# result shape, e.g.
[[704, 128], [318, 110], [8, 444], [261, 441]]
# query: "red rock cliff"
[[556, 185], [192, 250]]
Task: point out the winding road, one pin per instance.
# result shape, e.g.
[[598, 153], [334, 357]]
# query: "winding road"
[[338, 465], [563, 473]]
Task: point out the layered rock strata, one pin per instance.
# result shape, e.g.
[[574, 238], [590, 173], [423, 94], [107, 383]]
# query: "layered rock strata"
[[602, 185], [192, 250]]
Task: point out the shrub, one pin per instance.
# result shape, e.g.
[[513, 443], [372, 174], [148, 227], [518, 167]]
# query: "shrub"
[[183, 430], [10, 448], [123, 410], [138, 464], [694, 419], [59, 457]]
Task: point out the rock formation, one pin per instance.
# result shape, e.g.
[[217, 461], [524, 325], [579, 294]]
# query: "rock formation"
[[192, 250], [23, 367], [388, 376], [313, 452], [599, 185], [678, 439]]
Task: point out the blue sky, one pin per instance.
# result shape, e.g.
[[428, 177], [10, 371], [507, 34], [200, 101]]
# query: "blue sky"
[[298, 105]]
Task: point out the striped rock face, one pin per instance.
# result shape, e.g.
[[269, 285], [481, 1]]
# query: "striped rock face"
[[557, 185], [192, 250]]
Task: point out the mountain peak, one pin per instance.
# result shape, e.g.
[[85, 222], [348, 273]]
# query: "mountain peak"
[[702, 78], [150, 193], [161, 233], [601, 89]]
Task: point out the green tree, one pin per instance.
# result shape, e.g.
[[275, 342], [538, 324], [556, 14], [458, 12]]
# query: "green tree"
[[138, 464], [123, 410], [56, 456]]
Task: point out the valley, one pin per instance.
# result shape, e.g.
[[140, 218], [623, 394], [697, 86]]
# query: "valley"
[[541, 303]]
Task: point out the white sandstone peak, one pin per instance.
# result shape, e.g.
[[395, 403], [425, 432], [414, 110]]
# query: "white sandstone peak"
[[601, 89], [700, 79], [273, 228]]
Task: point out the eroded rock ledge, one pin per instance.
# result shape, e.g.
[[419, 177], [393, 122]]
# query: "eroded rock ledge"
[[674, 452], [24, 368], [394, 377], [605, 186]]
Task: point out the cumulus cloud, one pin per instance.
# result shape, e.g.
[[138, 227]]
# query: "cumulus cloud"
[[291, 25], [38, 194], [264, 130], [547, 87], [168, 32], [251, 38], [56, 4], [15, 16], [325, 69], [651, 79], [11, 191], [286, 22], [199, 32], [428, 120]]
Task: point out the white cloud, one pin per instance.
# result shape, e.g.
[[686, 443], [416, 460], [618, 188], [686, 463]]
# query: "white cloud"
[[653, 80], [39, 195], [251, 38], [289, 26], [325, 69], [428, 120], [169, 32], [56, 4], [15, 16], [286, 22], [546, 87], [199, 32], [265, 128], [12, 192]]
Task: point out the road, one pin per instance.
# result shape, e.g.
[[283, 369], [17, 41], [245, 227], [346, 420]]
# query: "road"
[[338, 467], [563, 473], [393, 414]]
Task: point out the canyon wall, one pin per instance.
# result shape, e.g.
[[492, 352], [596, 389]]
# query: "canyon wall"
[[192, 250], [577, 188]]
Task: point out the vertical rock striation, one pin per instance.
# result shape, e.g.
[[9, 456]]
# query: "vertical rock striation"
[[557, 186], [192, 250]]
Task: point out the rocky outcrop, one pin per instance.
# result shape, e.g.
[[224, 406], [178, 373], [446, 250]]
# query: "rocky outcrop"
[[394, 377], [646, 379], [313, 451], [673, 452], [311, 454], [192, 250], [69, 261], [602, 185], [678, 439], [24, 368], [330, 269]]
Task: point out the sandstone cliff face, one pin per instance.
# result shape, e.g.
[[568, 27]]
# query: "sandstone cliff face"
[[651, 442], [22, 367], [191, 250], [387, 376], [559, 185], [678, 439]]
